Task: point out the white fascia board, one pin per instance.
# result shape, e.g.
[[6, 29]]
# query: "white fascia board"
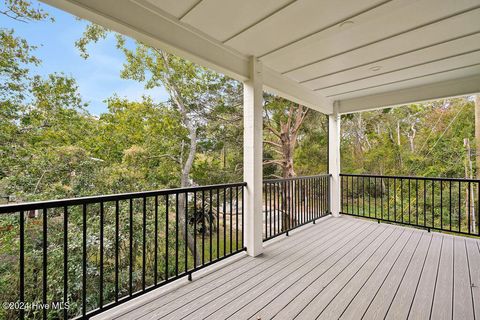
[[148, 24], [287, 88], [438, 90]]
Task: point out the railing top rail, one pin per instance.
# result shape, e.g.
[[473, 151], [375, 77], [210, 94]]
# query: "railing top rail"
[[408, 177], [26, 206], [298, 178]]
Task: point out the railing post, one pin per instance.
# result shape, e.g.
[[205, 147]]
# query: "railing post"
[[334, 160], [252, 157]]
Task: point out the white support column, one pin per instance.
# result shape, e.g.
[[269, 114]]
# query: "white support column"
[[334, 160], [252, 157]]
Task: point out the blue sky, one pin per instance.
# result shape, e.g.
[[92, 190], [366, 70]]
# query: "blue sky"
[[98, 77]]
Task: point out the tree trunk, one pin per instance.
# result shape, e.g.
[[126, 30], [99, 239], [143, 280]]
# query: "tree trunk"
[[477, 139], [470, 196], [477, 135], [185, 183], [399, 142], [287, 133], [176, 96]]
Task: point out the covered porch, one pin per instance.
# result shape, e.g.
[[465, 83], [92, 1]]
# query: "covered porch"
[[292, 252]]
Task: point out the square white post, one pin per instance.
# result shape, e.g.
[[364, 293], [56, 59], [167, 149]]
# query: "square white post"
[[334, 160], [253, 157]]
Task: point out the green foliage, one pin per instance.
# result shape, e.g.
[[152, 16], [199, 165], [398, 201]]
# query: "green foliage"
[[422, 139], [22, 10]]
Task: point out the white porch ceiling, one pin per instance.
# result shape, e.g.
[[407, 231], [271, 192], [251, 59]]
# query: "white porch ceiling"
[[362, 54]]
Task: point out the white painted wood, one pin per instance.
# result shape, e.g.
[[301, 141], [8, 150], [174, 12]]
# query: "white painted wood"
[[393, 87], [234, 16], [439, 51], [295, 21], [280, 85], [306, 31], [421, 92], [392, 22], [407, 73], [177, 8], [334, 123], [253, 157]]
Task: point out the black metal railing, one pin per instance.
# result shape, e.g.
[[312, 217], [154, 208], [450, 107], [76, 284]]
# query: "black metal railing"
[[82, 256], [290, 203], [443, 204]]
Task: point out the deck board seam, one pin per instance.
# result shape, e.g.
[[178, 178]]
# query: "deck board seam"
[[302, 256], [372, 272], [361, 266], [436, 279], [313, 268], [321, 236], [319, 273], [405, 272], [420, 276], [386, 276], [453, 277], [328, 228], [329, 268], [470, 278], [305, 263], [263, 307], [355, 258]]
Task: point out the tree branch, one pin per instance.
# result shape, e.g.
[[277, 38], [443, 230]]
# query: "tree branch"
[[273, 143]]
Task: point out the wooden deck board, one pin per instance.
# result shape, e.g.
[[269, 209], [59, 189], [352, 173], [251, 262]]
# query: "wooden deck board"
[[402, 301], [473, 254], [340, 268], [243, 307], [462, 292], [354, 259], [274, 303], [336, 308], [443, 296], [425, 288], [212, 293], [381, 303], [201, 286]]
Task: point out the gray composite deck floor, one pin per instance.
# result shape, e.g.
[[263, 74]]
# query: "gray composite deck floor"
[[339, 268]]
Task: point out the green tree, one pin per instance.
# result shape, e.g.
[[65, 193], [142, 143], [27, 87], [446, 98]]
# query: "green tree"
[[194, 93]]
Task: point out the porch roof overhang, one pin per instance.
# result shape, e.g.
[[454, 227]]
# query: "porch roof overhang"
[[356, 54]]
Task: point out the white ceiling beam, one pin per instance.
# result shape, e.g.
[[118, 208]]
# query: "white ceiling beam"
[[280, 85], [439, 90], [154, 27]]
